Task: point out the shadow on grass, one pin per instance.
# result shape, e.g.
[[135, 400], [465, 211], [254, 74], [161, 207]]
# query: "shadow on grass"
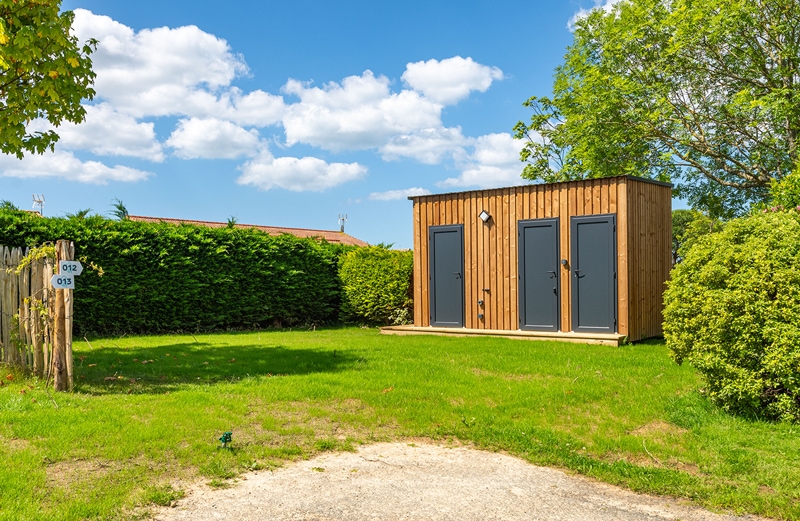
[[164, 368]]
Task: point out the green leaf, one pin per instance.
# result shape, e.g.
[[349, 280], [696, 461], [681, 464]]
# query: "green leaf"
[[702, 94]]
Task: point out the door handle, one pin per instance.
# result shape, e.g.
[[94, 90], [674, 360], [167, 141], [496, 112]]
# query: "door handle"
[[577, 273]]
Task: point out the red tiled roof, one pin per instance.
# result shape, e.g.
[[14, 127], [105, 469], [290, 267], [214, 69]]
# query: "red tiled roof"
[[332, 236]]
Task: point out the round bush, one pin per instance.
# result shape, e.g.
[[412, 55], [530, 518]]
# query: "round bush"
[[732, 310]]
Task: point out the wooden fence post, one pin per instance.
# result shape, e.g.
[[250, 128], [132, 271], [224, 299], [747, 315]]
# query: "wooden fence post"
[[23, 299], [62, 346], [48, 296], [5, 302], [36, 329], [70, 252], [13, 331]]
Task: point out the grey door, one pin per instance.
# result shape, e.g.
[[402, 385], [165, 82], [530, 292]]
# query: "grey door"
[[446, 244], [594, 274], [538, 275]]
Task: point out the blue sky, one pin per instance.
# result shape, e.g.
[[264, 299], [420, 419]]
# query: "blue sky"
[[291, 113]]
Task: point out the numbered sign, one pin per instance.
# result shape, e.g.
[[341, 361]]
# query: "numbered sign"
[[66, 267], [63, 281]]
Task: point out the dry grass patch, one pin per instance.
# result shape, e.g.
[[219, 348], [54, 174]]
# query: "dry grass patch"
[[517, 377], [658, 428], [15, 444], [74, 473]]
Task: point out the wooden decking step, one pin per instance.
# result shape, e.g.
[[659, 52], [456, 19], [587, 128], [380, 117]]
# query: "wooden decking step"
[[580, 338]]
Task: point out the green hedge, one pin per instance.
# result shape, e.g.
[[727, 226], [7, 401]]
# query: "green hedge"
[[376, 285], [162, 277], [732, 310]]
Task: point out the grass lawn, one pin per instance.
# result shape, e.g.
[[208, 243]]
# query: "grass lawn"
[[147, 413]]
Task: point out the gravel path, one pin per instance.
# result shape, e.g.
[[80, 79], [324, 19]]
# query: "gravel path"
[[396, 481]]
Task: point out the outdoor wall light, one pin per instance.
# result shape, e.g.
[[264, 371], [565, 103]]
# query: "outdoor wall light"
[[484, 215]]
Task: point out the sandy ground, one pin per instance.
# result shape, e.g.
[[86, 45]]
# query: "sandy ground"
[[402, 481]]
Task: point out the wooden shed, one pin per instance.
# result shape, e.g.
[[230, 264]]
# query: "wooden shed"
[[580, 260]]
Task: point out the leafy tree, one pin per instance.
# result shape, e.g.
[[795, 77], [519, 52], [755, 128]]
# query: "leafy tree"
[[687, 227], [44, 73], [80, 214], [119, 210], [680, 222], [702, 93], [7, 205]]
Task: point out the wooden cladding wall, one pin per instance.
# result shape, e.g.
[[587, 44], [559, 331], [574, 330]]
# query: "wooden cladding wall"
[[649, 246], [490, 272]]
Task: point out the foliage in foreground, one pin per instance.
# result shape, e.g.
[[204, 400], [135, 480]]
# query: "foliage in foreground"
[[732, 310], [44, 73], [375, 285]]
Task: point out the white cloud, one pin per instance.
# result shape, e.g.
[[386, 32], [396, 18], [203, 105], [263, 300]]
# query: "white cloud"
[[212, 139], [605, 5], [256, 108], [106, 132], [359, 113], [131, 65], [496, 149], [161, 72], [362, 112], [297, 174], [450, 80], [151, 74], [188, 74], [64, 165], [428, 146], [485, 176], [494, 162], [394, 195]]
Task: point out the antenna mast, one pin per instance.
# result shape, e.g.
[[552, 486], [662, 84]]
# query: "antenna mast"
[[38, 200], [342, 221]]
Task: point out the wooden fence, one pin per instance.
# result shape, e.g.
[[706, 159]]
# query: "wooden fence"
[[35, 319]]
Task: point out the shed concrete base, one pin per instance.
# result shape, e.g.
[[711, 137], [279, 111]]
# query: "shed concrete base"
[[578, 338]]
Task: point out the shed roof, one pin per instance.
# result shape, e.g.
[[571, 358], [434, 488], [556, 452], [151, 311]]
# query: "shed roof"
[[332, 236], [532, 185]]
